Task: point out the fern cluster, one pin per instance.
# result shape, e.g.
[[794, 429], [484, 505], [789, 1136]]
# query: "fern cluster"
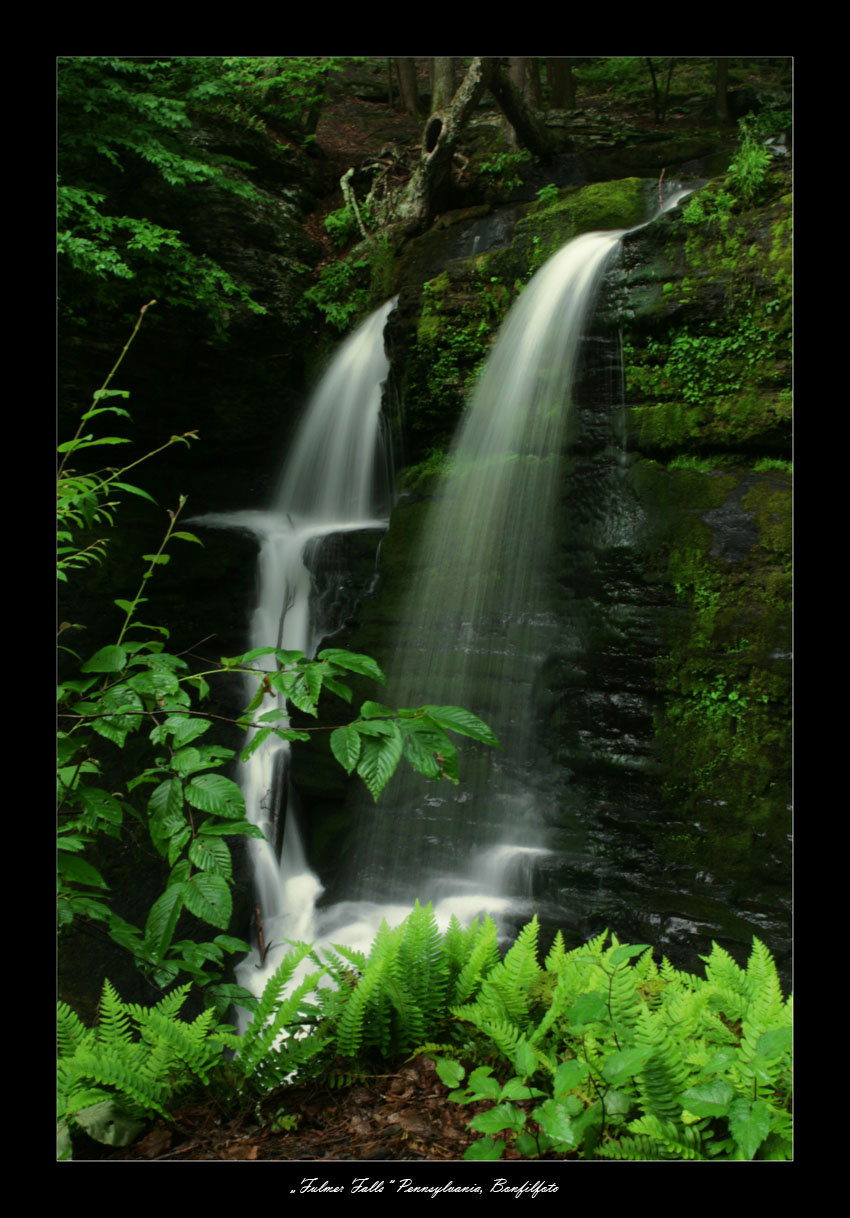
[[639, 1061], [603, 1052], [133, 1064], [386, 1004], [282, 1036]]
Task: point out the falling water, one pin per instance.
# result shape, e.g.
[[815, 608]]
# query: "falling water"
[[480, 619], [337, 479]]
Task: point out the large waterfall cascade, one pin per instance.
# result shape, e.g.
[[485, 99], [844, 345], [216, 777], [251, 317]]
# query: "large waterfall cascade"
[[479, 580]]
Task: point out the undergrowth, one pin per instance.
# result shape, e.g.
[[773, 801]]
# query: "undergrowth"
[[599, 1052]]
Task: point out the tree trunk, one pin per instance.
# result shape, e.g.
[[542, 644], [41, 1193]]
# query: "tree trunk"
[[408, 88], [562, 86], [721, 98], [423, 192], [442, 84], [530, 131], [533, 91]]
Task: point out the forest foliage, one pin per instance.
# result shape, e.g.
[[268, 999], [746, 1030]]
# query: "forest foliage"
[[598, 1052], [134, 685], [127, 120]]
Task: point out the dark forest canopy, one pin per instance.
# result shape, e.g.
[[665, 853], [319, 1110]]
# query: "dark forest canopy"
[[135, 144]]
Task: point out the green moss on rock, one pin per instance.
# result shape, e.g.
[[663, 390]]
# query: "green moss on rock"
[[707, 357]]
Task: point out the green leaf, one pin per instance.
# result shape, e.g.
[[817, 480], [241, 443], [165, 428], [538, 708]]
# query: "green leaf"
[[374, 710], [186, 728], [708, 1099], [427, 751], [482, 1084], [587, 1008], [378, 760], [626, 952], [337, 687], [345, 746], [525, 1060], [107, 1123], [624, 1065], [569, 1075], [484, 1150], [166, 800], [78, 871], [450, 1072], [230, 944], [134, 490], [774, 1043], [109, 659], [188, 537], [208, 897], [518, 1089], [557, 1123], [502, 1116], [233, 828], [254, 743], [210, 853], [353, 662], [749, 1124], [88, 442], [162, 919], [456, 719], [215, 793]]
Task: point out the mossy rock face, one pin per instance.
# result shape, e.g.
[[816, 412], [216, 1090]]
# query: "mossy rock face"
[[723, 726], [707, 333], [665, 700], [447, 326]]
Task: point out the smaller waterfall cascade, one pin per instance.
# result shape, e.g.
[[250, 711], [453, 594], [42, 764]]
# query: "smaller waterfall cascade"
[[337, 479]]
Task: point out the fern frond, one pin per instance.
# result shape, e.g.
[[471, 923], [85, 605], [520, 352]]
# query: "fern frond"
[[483, 957], [187, 1043], [275, 987], [431, 1049], [104, 1067], [504, 1034], [423, 967], [555, 1011], [506, 991], [664, 1075], [556, 955], [635, 1149], [349, 1031], [282, 1016], [353, 957], [679, 1141], [114, 1028], [70, 1030]]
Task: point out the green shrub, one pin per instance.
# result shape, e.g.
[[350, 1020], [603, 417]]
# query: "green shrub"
[[133, 1064], [547, 195], [748, 171], [503, 168], [629, 1060]]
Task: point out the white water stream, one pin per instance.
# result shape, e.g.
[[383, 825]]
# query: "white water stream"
[[468, 613]]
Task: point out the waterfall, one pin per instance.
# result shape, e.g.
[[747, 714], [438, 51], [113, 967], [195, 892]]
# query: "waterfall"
[[479, 619], [480, 622], [337, 479]]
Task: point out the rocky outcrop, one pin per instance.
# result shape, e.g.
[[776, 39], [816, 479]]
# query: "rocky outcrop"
[[665, 705]]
